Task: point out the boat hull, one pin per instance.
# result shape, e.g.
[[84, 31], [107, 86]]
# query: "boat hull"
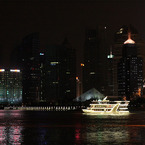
[[104, 112]]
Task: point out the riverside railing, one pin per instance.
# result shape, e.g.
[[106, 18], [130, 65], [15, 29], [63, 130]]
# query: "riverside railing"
[[47, 108]]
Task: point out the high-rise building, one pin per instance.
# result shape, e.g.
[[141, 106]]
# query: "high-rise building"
[[109, 73], [27, 57], [31, 68], [130, 70], [95, 60], [10, 87], [60, 73], [120, 36]]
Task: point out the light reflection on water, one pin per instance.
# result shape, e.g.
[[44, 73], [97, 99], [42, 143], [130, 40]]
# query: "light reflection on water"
[[67, 128]]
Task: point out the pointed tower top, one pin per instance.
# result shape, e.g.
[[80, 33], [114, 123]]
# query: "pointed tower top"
[[129, 40]]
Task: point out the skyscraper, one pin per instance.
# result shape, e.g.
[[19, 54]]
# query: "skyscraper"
[[109, 73], [31, 68], [60, 73], [130, 70], [95, 59], [120, 36], [26, 57]]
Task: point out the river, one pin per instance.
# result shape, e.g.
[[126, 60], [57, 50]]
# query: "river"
[[70, 128]]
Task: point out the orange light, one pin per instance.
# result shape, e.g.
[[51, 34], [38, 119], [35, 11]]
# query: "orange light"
[[129, 41], [82, 64], [77, 78]]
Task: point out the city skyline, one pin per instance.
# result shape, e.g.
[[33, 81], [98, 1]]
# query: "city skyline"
[[55, 20]]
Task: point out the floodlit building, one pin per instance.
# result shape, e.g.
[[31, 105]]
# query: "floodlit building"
[[130, 70], [10, 87]]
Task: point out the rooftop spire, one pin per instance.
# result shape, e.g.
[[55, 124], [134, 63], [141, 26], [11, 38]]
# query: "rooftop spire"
[[129, 40]]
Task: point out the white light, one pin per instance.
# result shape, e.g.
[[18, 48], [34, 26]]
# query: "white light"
[[92, 73], [2, 70], [110, 56], [41, 53], [14, 70]]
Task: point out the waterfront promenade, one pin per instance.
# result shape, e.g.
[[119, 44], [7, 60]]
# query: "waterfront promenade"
[[47, 108]]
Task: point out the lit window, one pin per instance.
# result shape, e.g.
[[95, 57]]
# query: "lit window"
[[41, 53], [110, 56], [54, 63], [92, 73], [55, 82], [67, 91]]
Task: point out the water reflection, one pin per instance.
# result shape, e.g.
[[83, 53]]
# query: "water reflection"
[[45, 128], [10, 131]]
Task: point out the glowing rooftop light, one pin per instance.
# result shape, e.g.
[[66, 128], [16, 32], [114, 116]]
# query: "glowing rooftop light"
[[2, 70], [14, 70], [129, 40]]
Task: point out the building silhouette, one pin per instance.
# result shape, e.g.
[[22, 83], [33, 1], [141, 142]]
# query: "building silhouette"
[[95, 60], [109, 73], [130, 70], [26, 56], [59, 85]]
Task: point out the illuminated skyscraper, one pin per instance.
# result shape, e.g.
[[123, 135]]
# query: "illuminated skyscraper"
[[10, 87], [120, 36], [130, 70]]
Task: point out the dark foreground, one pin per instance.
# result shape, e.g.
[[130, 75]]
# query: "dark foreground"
[[70, 128]]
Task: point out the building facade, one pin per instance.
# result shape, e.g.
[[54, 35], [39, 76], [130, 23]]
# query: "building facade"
[[27, 57], [60, 74], [120, 36], [95, 60], [130, 71], [10, 87]]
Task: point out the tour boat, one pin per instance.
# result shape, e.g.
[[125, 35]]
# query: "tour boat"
[[107, 107]]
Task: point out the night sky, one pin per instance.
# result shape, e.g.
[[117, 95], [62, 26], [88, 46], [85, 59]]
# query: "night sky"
[[57, 19]]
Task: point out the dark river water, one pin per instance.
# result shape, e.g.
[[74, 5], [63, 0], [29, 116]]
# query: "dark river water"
[[70, 128]]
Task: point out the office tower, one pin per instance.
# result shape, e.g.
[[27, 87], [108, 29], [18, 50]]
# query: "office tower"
[[95, 60], [60, 73], [31, 68], [10, 87], [130, 70], [109, 73], [42, 98], [120, 36], [27, 56]]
